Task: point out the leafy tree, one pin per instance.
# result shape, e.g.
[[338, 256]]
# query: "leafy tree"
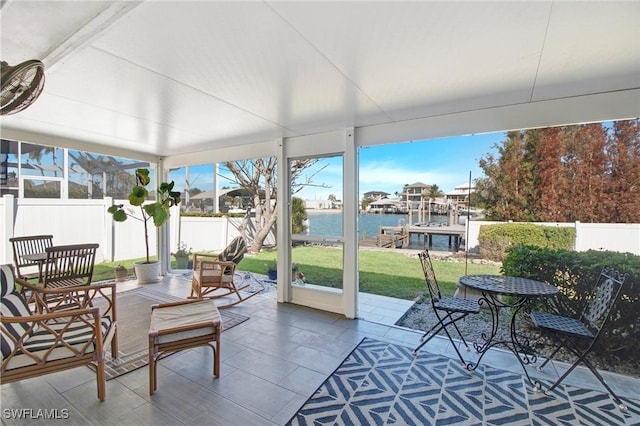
[[259, 177], [508, 184], [589, 173], [298, 216], [623, 149], [432, 191], [549, 174], [194, 191]]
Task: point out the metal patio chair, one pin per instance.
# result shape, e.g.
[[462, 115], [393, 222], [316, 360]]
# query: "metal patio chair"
[[580, 335], [448, 310]]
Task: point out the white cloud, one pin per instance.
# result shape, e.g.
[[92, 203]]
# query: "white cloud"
[[390, 176]]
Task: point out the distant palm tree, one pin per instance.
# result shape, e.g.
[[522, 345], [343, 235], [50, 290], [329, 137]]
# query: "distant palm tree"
[[432, 191]]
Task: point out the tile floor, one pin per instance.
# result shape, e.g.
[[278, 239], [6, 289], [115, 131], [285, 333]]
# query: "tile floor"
[[270, 365]]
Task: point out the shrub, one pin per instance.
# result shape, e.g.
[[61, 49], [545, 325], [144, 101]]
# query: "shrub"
[[574, 273], [495, 240]]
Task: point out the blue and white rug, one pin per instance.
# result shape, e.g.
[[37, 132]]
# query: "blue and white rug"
[[383, 384]]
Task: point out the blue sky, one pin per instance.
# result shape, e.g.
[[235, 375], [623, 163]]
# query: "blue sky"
[[445, 162]]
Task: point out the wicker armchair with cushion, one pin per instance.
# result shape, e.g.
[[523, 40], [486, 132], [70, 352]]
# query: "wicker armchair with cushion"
[[213, 275], [69, 335]]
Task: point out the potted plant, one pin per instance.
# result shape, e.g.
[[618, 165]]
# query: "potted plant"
[[296, 274], [182, 255], [157, 210], [272, 271], [121, 273]]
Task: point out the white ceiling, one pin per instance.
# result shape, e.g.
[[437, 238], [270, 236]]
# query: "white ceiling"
[[169, 77]]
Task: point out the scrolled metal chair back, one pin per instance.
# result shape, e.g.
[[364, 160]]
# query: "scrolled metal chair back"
[[603, 297], [430, 275]]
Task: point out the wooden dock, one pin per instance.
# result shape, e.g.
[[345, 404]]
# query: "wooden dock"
[[456, 233], [385, 241]]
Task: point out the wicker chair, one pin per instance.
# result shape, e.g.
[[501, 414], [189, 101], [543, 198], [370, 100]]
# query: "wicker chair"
[[213, 275], [70, 335]]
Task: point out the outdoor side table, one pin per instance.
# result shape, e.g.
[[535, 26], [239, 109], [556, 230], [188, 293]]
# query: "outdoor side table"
[[40, 259], [492, 287], [183, 325]]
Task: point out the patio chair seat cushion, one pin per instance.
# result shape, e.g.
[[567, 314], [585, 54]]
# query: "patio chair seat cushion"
[[214, 276], [11, 305], [561, 324], [78, 338], [457, 304], [175, 317]]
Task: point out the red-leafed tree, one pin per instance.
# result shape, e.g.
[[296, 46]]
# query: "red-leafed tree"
[[585, 167], [549, 173], [589, 173], [623, 149]]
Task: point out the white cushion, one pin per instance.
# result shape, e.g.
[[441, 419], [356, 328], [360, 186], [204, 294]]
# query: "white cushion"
[[172, 317]]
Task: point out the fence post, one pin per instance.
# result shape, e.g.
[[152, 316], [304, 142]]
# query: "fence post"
[[109, 245], [6, 231]]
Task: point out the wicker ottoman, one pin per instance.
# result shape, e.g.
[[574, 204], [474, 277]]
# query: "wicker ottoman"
[[183, 325]]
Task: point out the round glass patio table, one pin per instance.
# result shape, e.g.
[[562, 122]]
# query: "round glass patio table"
[[521, 290]]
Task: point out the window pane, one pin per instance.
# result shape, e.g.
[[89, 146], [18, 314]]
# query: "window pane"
[[8, 167], [316, 221], [39, 160], [34, 188], [120, 175], [82, 184], [195, 184]]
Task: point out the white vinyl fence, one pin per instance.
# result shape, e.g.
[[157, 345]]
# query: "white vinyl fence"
[[621, 237], [87, 221]]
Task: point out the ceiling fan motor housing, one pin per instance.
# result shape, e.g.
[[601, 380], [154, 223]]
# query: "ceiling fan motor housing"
[[21, 85]]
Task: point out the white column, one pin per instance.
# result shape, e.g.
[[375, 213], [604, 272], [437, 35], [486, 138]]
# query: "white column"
[[350, 179], [284, 225], [216, 198]]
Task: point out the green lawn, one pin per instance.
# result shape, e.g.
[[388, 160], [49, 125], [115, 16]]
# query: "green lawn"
[[385, 273], [106, 270]]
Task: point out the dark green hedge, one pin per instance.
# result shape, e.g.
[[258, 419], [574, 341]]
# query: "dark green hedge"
[[575, 273], [494, 240]]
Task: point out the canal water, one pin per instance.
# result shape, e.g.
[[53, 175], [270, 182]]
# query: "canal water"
[[330, 224]]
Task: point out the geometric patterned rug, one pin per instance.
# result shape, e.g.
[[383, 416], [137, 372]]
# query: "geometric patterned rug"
[[384, 384]]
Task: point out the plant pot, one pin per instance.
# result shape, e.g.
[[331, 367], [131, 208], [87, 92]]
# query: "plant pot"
[[121, 273], [273, 275], [147, 273], [182, 262]]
